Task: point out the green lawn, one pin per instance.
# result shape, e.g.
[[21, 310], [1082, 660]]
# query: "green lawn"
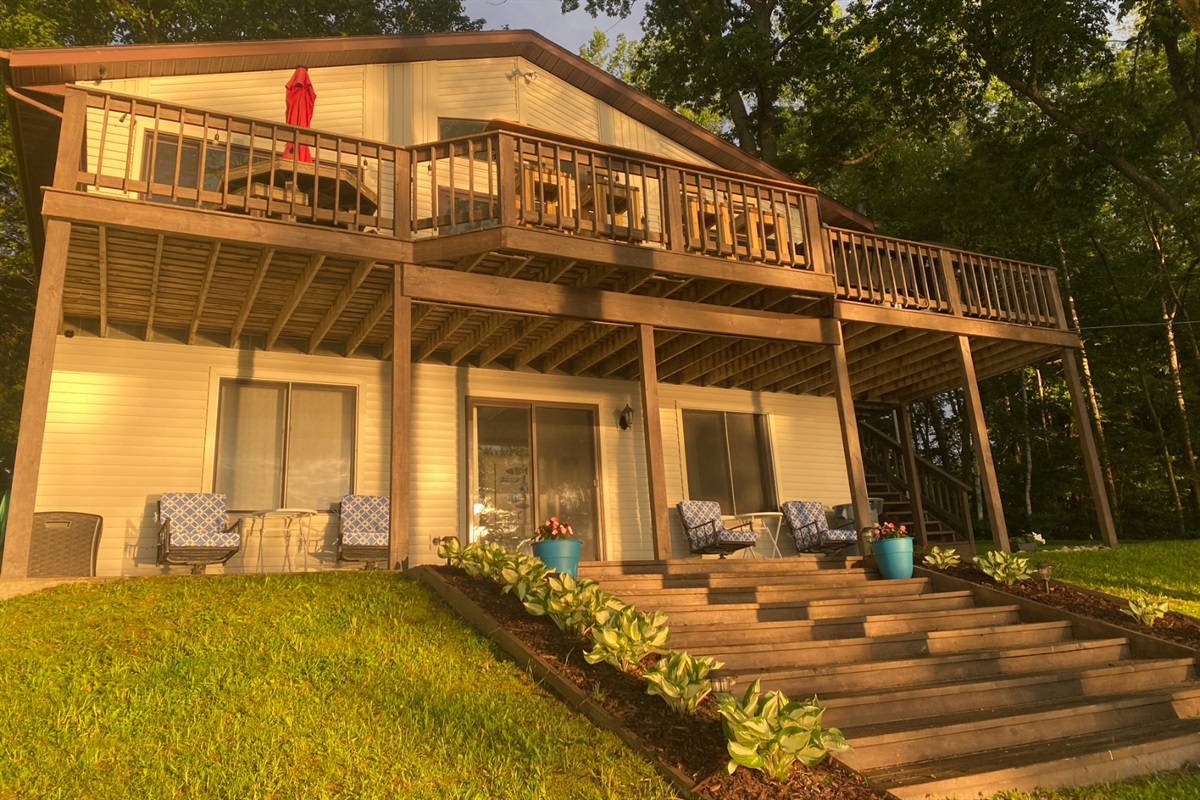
[[315, 686]]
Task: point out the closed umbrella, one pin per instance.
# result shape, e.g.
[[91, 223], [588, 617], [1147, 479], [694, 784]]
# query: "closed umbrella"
[[301, 98]]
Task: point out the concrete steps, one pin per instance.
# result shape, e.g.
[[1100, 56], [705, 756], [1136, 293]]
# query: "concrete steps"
[[938, 694]]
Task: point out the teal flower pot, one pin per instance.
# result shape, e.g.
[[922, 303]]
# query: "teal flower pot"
[[562, 555], [894, 557]]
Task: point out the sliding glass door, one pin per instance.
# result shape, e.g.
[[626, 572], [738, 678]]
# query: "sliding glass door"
[[530, 462]]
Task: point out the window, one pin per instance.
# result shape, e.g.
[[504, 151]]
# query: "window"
[[284, 445], [451, 128], [729, 460]]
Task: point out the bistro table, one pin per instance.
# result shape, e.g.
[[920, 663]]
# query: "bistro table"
[[288, 516], [768, 522]]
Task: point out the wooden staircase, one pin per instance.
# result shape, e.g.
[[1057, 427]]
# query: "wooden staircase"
[[938, 694]]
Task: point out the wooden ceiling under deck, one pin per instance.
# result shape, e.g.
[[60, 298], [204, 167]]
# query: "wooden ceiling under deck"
[[190, 290]]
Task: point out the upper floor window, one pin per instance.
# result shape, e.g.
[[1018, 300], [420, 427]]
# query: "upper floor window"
[[729, 460], [284, 445], [452, 128]]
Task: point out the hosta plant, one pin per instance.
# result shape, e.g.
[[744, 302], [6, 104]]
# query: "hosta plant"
[[941, 559], [573, 604], [768, 732], [522, 575], [681, 680], [451, 549], [1006, 568], [627, 637], [1147, 610]]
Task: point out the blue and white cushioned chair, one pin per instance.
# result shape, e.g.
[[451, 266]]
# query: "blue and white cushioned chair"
[[706, 533], [363, 528], [194, 530], [811, 529]]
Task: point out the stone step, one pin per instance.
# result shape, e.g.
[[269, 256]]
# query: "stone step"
[[802, 563], [1102, 757], [843, 679], [666, 599], [696, 636], [750, 613], [855, 711], [881, 648], [954, 735]]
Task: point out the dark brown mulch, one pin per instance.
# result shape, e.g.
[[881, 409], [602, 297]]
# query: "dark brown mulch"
[[1175, 627], [695, 745]]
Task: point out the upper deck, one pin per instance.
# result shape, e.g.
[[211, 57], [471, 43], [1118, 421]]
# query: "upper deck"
[[205, 222]]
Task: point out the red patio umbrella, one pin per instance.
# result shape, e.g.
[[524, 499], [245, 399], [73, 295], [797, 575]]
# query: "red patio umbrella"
[[301, 98]]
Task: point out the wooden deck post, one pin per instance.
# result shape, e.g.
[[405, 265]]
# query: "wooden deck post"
[[1091, 456], [909, 447], [854, 461], [47, 319], [660, 523], [983, 447], [401, 422]]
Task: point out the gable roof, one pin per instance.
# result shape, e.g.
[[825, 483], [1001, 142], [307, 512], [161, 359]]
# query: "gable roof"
[[50, 68]]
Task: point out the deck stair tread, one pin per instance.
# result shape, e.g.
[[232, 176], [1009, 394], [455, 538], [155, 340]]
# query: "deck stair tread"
[[814, 602], [1103, 756], [772, 593]]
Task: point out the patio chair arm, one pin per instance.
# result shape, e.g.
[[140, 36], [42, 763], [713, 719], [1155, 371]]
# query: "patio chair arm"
[[749, 524]]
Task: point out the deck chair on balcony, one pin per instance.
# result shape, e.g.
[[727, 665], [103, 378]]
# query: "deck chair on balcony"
[[706, 532], [194, 529], [364, 529], [810, 528]]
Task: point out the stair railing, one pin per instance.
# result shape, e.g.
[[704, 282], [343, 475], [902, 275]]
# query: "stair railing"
[[944, 497]]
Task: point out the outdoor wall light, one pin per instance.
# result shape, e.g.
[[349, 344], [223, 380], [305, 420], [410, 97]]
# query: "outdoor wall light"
[[626, 420], [529, 77], [1043, 571], [722, 680]]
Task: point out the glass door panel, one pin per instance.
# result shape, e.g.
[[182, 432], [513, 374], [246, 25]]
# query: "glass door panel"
[[565, 442], [502, 484]]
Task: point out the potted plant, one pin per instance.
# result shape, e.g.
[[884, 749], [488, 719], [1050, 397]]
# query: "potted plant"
[[892, 547], [552, 543], [1029, 542]]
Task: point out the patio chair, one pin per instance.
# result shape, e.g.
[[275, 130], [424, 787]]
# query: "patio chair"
[[64, 544], [706, 532], [364, 529], [194, 529], [810, 528]]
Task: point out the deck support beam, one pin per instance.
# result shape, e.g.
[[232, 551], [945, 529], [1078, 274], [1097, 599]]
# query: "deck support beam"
[[853, 448], [983, 447], [908, 447], [401, 422], [1091, 455], [660, 522]]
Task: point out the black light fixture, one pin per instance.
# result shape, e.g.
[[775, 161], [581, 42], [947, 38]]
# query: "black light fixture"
[[1044, 570], [722, 680], [626, 421]]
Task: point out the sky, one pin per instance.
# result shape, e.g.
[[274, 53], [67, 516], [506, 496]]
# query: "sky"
[[546, 17]]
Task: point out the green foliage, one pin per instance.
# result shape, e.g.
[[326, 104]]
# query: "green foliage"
[[941, 559], [450, 549], [1161, 568], [681, 680], [1146, 609], [767, 732], [573, 605], [282, 686], [627, 637], [523, 575], [1006, 568]]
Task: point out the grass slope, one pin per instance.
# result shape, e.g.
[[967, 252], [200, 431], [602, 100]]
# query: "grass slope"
[[316, 686], [1166, 568]]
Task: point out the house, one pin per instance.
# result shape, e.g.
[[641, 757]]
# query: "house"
[[505, 286]]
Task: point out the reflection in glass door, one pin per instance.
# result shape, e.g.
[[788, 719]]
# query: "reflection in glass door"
[[532, 462]]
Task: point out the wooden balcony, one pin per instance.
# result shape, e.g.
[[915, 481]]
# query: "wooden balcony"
[[199, 220]]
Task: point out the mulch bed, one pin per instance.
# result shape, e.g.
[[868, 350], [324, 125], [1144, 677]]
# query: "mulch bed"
[[1175, 627], [695, 745]]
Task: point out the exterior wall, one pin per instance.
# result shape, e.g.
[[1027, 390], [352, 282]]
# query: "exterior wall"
[[129, 420]]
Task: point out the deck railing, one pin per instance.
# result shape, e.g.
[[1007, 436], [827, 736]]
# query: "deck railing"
[[160, 151], [914, 275], [943, 496]]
